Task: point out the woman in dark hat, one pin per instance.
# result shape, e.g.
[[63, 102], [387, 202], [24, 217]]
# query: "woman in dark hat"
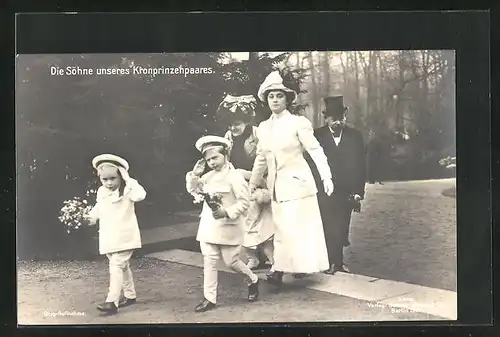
[[238, 113]]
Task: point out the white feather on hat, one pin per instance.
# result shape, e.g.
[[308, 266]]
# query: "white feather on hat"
[[273, 81], [111, 159], [206, 142]]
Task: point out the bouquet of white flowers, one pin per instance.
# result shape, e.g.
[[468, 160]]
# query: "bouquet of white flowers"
[[214, 200], [73, 211]]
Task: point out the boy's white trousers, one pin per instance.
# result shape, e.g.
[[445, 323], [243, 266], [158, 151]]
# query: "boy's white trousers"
[[231, 257], [120, 276]]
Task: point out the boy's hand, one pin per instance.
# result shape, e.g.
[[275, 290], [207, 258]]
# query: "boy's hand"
[[219, 213], [199, 167], [253, 197], [90, 220], [124, 174], [252, 188]]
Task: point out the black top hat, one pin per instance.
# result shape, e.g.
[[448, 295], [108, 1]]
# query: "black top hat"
[[334, 106]]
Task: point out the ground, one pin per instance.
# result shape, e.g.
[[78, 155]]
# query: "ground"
[[405, 232], [49, 292]]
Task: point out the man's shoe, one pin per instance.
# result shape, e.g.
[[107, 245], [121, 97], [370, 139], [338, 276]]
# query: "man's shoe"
[[253, 291], [343, 269], [275, 278], [330, 271], [108, 307], [205, 305], [336, 268], [125, 302]]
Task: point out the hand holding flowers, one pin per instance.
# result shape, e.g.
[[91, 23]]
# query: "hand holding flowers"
[[74, 214]]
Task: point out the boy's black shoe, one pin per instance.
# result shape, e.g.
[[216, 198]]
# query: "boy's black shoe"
[[205, 305], [125, 302], [275, 278], [108, 307], [253, 291]]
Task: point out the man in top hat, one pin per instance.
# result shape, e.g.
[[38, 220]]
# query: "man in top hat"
[[345, 150]]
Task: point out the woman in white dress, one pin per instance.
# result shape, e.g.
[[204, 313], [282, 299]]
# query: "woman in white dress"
[[299, 240]]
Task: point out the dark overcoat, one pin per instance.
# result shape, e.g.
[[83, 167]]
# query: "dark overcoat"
[[347, 163]]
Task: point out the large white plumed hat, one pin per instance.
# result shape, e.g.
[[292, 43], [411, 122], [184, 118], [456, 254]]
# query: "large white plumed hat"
[[273, 81], [208, 142], [110, 159]]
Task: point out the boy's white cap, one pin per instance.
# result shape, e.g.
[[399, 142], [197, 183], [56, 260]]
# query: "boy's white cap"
[[206, 142], [110, 158]]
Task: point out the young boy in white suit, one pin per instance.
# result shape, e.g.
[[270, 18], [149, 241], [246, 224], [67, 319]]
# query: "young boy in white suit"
[[119, 233], [221, 229]]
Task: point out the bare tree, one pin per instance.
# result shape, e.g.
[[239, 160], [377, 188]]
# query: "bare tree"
[[314, 91], [326, 74]]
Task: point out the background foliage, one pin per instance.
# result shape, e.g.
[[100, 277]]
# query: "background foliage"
[[62, 122]]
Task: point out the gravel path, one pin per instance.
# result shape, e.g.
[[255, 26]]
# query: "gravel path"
[[67, 293], [406, 232]]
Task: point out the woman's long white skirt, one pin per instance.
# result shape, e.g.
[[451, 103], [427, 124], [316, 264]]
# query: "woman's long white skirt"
[[299, 240]]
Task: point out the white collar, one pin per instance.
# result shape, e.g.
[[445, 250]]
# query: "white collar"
[[340, 135], [282, 114]]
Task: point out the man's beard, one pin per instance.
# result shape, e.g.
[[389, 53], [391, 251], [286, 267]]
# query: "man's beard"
[[337, 127]]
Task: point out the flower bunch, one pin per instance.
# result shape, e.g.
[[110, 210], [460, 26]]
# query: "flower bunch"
[[214, 200], [74, 211]]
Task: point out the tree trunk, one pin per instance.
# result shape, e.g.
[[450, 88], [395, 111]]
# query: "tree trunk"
[[326, 72], [401, 68], [357, 106], [376, 81], [326, 83], [345, 78], [253, 56], [369, 84], [425, 89], [314, 91]]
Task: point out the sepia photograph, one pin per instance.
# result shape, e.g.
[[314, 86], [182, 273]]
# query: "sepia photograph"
[[236, 187]]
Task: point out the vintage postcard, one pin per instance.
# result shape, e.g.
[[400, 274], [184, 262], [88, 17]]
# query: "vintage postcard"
[[236, 187]]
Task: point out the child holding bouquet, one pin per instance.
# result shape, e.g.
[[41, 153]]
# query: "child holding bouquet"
[[222, 220], [119, 233]]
